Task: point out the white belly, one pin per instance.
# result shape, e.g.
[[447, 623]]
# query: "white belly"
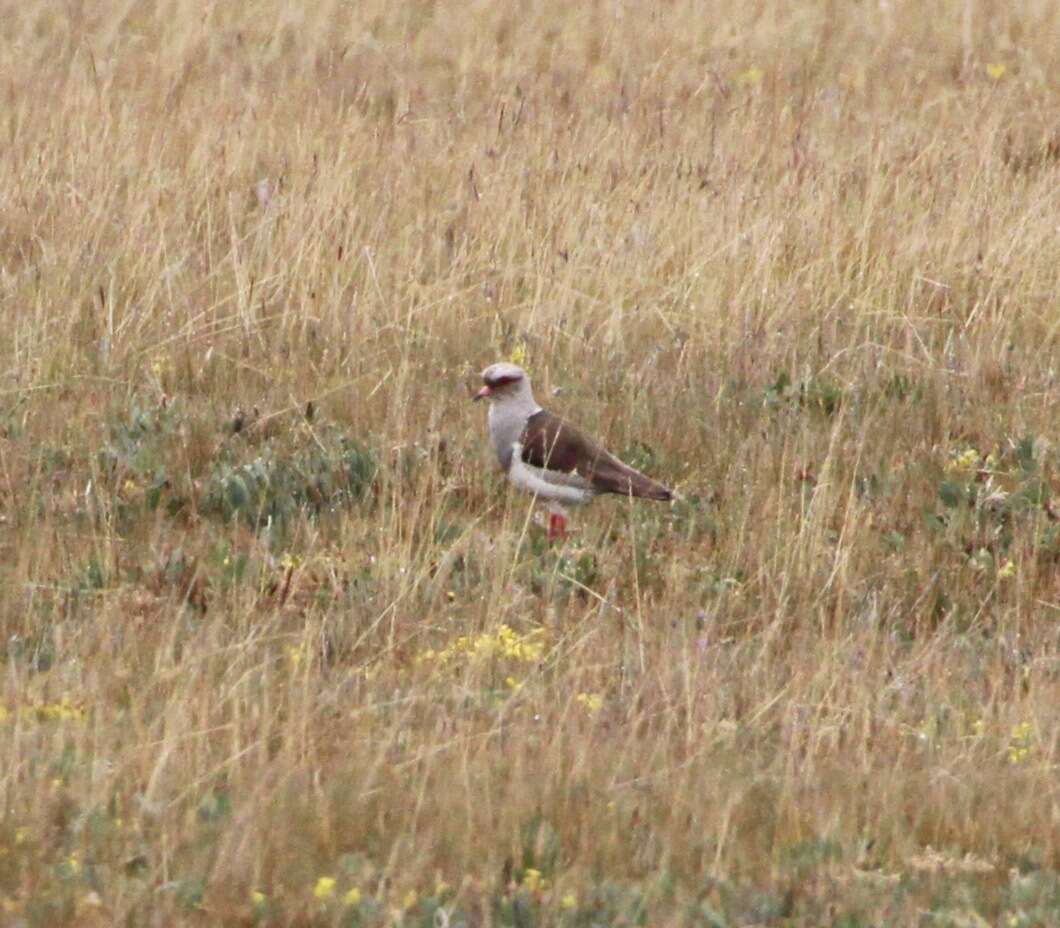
[[535, 480], [553, 486]]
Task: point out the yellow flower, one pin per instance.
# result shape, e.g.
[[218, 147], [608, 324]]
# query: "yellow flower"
[[410, 899], [258, 898], [532, 880], [513, 684], [569, 901], [1006, 570], [752, 75], [519, 354], [352, 898], [62, 711], [1020, 743], [528, 648], [996, 71], [963, 462], [325, 887], [593, 702]]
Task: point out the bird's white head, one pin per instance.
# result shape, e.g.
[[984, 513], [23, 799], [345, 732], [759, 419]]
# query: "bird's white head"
[[504, 383]]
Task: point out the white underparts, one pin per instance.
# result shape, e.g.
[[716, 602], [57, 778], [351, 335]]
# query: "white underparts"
[[556, 488]]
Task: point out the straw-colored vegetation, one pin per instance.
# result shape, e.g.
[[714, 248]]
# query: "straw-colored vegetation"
[[280, 646]]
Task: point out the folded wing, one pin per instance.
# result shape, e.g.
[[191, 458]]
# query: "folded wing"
[[556, 446]]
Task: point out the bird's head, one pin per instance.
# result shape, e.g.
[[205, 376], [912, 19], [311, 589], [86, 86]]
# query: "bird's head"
[[502, 381]]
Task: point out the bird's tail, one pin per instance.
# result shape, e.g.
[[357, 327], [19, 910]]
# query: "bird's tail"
[[646, 488], [634, 483]]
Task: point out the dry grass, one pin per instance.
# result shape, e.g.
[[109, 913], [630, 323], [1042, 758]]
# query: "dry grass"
[[280, 648]]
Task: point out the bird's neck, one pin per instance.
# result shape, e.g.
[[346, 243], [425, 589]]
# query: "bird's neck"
[[515, 408]]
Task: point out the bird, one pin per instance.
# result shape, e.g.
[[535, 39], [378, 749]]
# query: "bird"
[[548, 457]]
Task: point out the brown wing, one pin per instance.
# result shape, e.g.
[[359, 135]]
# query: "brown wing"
[[552, 444]]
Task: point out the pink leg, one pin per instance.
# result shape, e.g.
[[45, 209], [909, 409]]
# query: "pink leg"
[[557, 526]]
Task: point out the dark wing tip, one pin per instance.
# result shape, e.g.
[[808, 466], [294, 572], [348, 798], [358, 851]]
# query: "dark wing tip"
[[661, 493], [632, 482]]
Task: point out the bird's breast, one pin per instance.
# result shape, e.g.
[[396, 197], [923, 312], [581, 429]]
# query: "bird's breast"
[[506, 428]]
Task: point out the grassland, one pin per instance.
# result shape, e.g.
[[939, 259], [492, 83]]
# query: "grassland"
[[281, 648]]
